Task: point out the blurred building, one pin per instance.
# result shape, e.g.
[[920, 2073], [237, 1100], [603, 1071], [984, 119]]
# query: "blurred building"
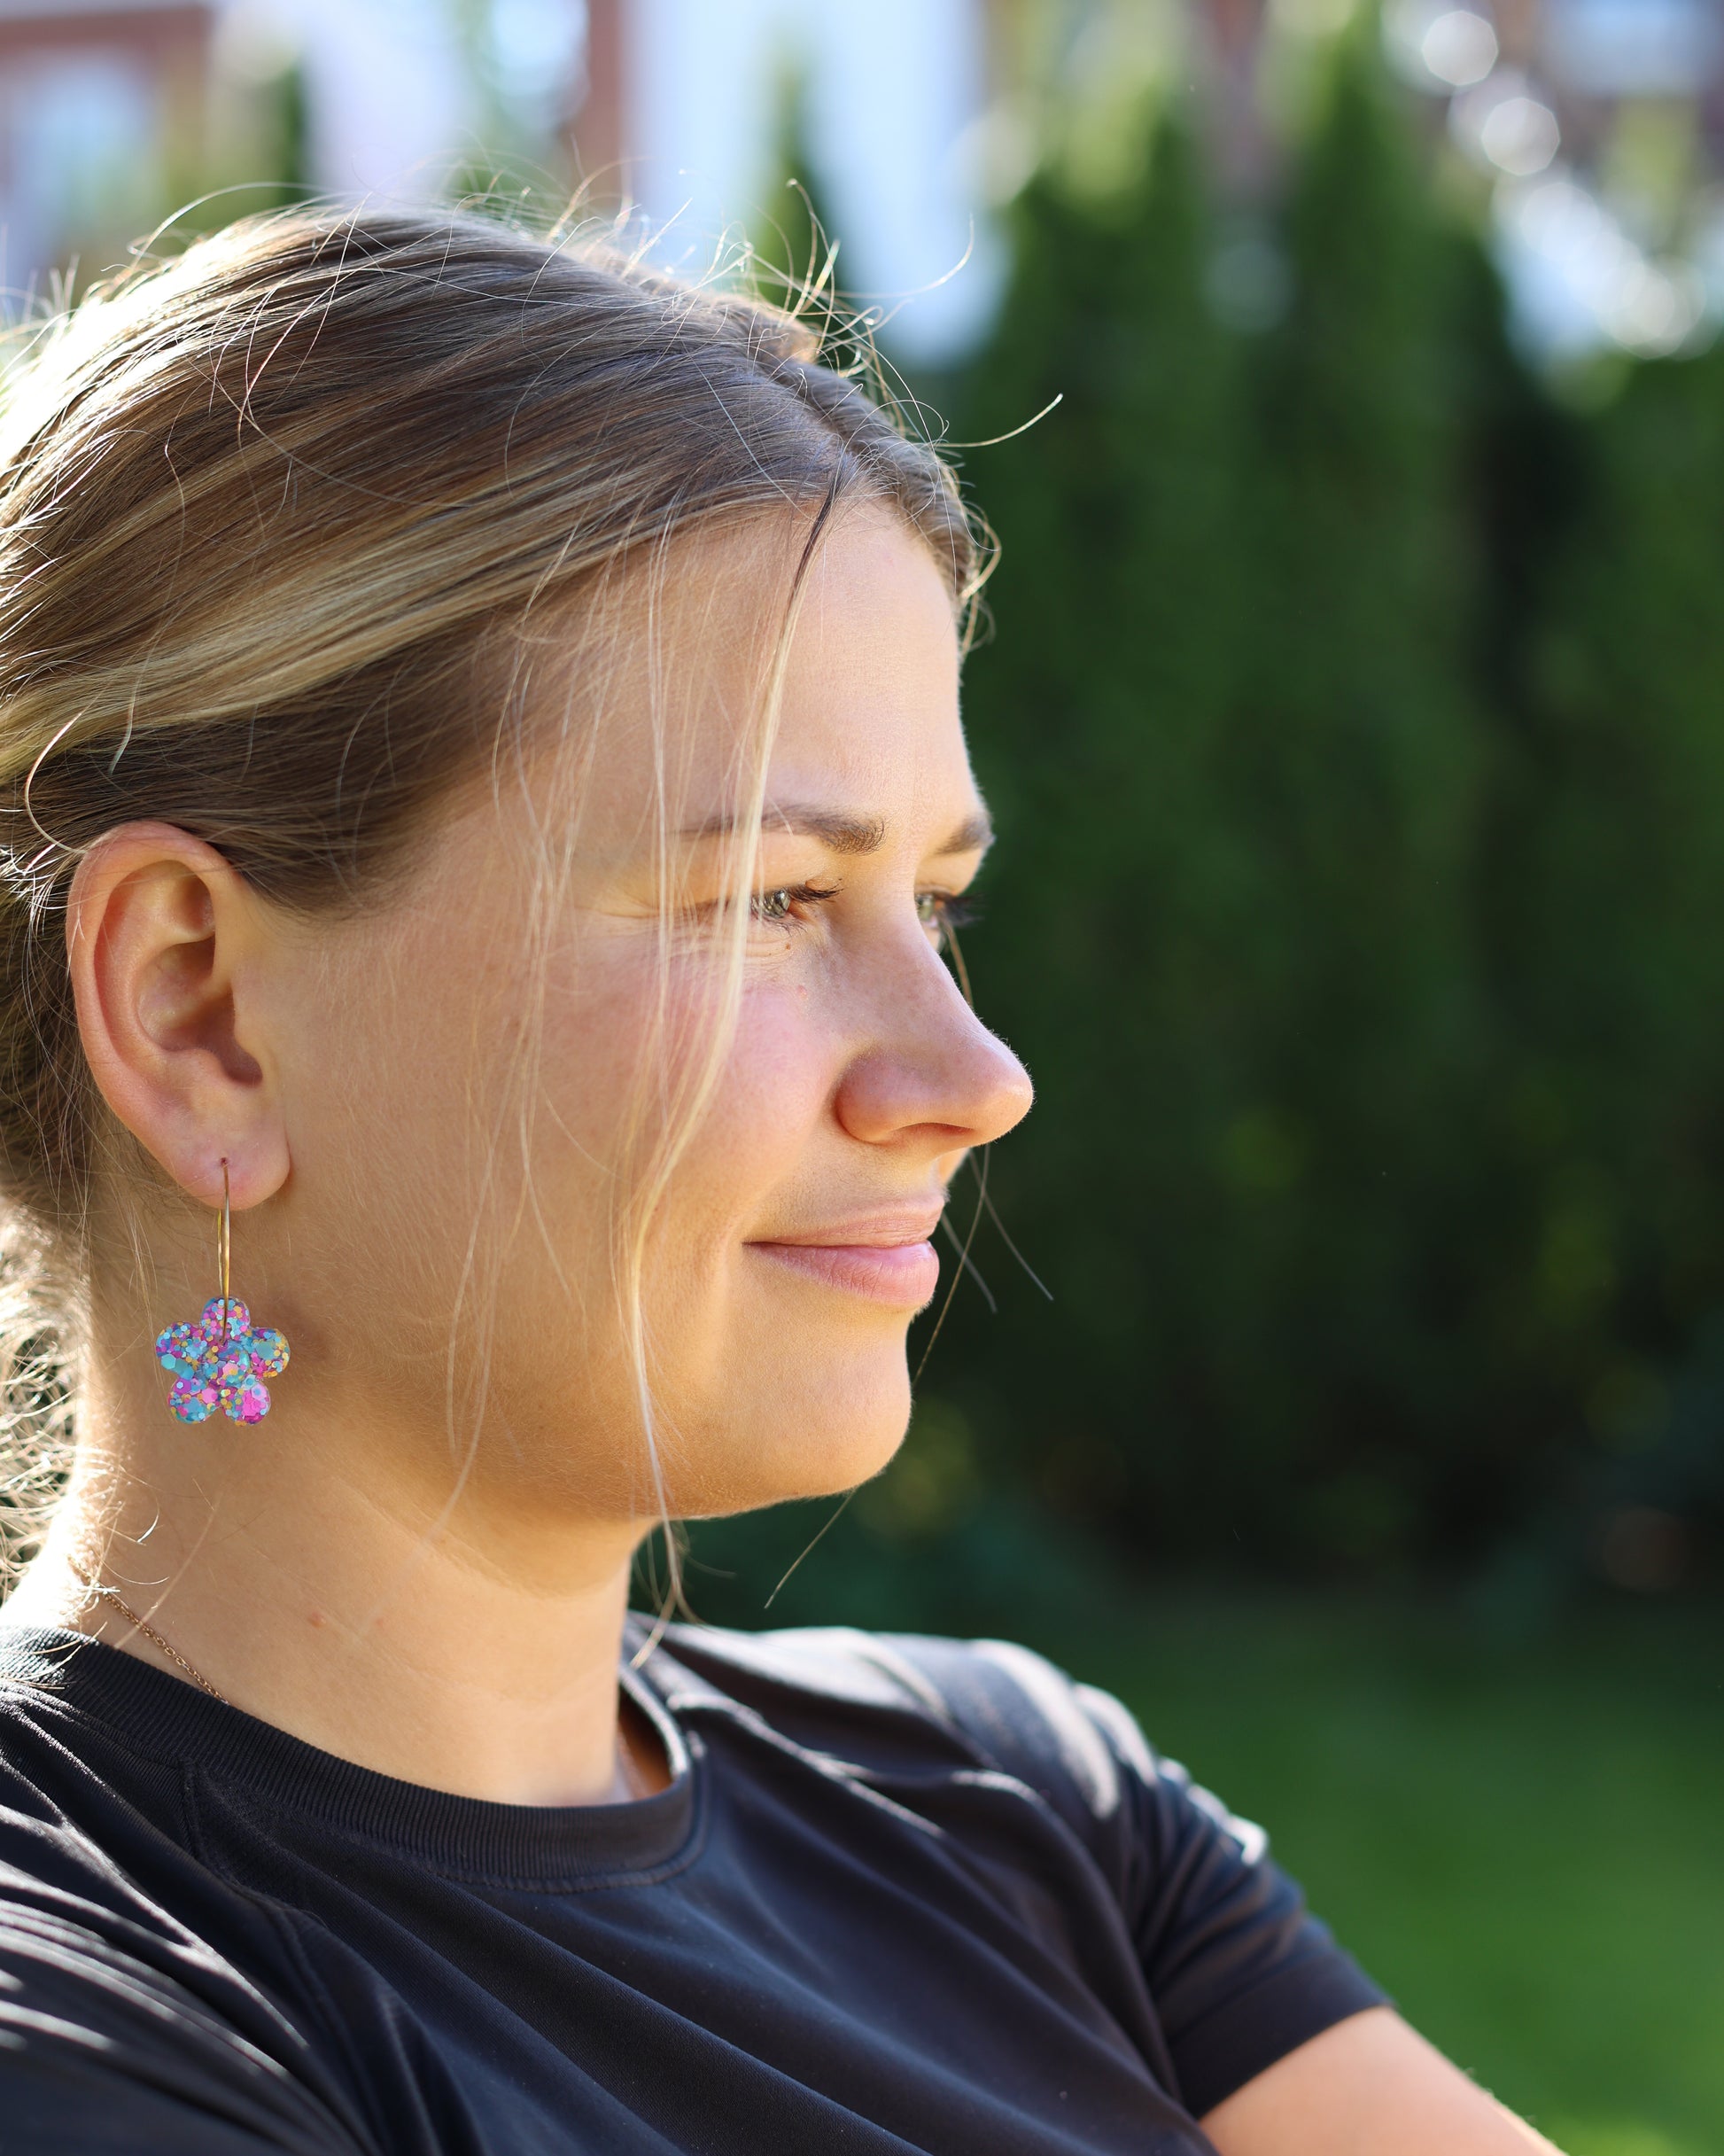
[[685, 111], [114, 112], [96, 102], [1597, 125], [1596, 128]]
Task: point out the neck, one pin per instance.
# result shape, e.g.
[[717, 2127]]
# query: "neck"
[[438, 1642]]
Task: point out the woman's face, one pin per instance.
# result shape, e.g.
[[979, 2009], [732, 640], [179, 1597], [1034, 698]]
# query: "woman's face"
[[502, 1022]]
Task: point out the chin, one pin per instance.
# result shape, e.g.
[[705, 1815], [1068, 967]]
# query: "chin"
[[807, 1441]]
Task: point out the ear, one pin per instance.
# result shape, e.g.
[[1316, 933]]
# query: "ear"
[[168, 949]]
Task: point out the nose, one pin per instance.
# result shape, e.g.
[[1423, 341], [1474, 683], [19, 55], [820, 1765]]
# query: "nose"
[[932, 1078]]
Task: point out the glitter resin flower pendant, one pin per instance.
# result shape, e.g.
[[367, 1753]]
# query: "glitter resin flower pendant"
[[220, 1360]]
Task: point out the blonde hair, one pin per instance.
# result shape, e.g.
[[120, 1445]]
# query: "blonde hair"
[[275, 521]]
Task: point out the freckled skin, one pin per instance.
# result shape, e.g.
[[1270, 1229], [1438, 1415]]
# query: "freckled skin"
[[856, 1079]]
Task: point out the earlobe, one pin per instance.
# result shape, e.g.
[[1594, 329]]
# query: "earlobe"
[[162, 937]]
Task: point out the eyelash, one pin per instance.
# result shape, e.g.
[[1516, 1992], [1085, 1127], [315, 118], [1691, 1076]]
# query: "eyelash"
[[764, 907], [772, 906]]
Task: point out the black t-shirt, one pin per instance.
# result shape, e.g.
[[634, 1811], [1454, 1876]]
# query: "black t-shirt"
[[901, 1893]]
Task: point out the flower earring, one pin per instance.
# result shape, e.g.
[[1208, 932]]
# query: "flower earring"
[[221, 1360]]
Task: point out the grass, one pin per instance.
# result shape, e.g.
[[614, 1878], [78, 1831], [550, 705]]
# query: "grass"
[[1521, 1843]]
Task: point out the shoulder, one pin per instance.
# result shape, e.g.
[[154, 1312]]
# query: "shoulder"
[[125, 1990], [1239, 1970], [981, 1705], [987, 1693]]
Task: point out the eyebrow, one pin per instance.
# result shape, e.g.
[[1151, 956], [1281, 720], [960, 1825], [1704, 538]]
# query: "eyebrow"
[[842, 833]]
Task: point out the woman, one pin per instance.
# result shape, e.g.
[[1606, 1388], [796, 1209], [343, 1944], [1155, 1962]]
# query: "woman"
[[484, 797]]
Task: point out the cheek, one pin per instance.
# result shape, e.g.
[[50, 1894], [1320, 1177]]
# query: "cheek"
[[709, 1358], [768, 1107], [764, 1108]]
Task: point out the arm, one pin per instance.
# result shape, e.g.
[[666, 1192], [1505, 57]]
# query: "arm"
[[1370, 2086], [94, 2111], [118, 2038], [1275, 2041]]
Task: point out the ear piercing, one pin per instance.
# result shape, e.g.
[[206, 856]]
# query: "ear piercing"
[[220, 1360]]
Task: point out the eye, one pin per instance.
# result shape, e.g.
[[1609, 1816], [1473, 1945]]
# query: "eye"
[[940, 912], [789, 904]]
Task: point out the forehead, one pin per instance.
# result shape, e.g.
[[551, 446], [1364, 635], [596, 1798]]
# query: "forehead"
[[867, 681], [870, 693]]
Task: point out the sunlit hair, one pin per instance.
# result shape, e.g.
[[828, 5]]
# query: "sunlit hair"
[[290, 532]]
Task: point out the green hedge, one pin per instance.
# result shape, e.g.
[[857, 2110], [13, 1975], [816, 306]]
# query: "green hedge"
[[1352, 717]]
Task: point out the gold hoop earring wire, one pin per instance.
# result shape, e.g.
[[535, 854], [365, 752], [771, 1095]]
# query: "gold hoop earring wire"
[[225, 1246]]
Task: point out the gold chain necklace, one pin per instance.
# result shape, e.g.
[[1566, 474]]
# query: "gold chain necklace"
[[109, 1594]]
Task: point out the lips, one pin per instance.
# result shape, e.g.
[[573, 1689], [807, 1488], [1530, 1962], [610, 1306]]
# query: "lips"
[[883, 1257]]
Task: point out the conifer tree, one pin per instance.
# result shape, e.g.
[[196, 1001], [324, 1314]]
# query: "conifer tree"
[[1231, 724], [1622, 972], [1360, 740], [1099, 718]]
